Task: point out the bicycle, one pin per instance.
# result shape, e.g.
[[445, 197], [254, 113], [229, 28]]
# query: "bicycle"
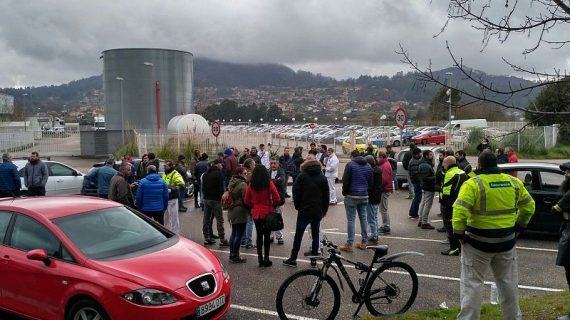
[[378, 290]]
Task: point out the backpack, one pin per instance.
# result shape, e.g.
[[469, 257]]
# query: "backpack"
[[227, 200]]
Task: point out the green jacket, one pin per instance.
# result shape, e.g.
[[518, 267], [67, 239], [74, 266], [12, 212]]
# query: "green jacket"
[[240, 212], [173, 179]]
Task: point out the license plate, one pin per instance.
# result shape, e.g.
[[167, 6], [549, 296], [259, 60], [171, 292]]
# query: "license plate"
[[211, 306]]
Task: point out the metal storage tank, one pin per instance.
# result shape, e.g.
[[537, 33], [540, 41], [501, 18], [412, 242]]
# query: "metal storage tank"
[[188, 124], [138, 71]]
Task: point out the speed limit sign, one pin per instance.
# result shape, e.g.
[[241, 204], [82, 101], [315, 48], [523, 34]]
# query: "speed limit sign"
[[312, 125], [400, 117], [216, 129]]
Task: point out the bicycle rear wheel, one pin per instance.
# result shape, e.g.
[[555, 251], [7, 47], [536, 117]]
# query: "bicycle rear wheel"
[[391, 289], [307, 295]]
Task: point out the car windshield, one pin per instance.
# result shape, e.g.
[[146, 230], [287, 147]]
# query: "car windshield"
[[110, 232]]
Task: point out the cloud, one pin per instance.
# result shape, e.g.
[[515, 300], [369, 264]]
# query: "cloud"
[[55, 41]]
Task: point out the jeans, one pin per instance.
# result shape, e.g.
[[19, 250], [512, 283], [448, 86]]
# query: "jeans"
[[181, 195], [247, 238], [263, 240], [213, 210], [238, 230], [384, 209], [353, 205], [415, 207], [411, 187], [157, 216], [37, 191], [395, 179], [302, 222], [475, 265], [372, 219], [425, 206], [447, 214]]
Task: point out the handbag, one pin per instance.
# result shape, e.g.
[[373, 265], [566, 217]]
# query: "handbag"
[[274, 220], [173, 193]]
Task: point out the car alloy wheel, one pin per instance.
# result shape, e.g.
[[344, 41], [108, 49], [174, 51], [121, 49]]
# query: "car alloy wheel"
[[87, 313]]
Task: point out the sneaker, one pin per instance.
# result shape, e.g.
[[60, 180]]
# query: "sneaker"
[[409, 197], [238, 260], [427, 226], [442, 229], [419, 223], [209, 242], [332, 203], [267, 263], [413, 218], [451, 252], [182, 209], [385, 230], [290, 263], [361, 246], [373, 241], [346, 248], [249, 246], [280, 242], [215, 236], [224, 244]]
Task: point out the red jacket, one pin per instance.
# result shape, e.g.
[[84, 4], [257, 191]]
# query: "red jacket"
[[261, 202], [387, 180], [513, 157]]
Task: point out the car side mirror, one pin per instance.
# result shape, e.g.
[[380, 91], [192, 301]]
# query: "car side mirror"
[[75, 173], [39, 255]]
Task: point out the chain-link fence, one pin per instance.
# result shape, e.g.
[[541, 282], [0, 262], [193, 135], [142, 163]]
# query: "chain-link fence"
[[20, 142]]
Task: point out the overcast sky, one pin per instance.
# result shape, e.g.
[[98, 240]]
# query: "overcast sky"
[[56, 41]]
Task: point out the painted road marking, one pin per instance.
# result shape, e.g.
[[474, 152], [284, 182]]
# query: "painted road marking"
[[434, 240], [421, 275], [267, 312]]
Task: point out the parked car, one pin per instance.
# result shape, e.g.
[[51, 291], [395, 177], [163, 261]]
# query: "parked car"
[[402, 174], [360, 145], [99, 260], [430, 137], [62, 180], [542, 180]]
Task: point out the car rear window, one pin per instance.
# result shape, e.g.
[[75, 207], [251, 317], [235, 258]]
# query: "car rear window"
[[110, 232]]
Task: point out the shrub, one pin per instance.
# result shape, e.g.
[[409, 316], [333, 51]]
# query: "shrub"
[[130, 149]]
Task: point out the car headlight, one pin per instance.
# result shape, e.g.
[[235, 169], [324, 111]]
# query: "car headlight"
[[149, 297]]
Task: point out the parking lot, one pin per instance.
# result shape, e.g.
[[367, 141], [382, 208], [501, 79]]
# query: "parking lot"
[[254, 289]]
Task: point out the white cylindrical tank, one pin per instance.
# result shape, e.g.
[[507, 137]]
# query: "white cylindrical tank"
[[188, 124]]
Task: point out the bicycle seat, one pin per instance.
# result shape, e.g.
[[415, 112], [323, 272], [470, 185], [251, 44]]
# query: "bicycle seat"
[[379, 250]]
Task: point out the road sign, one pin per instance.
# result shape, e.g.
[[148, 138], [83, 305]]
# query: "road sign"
[[216, 129], [400, 117], [312, 125]]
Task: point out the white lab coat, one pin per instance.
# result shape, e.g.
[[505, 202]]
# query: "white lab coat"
[[331, 169]]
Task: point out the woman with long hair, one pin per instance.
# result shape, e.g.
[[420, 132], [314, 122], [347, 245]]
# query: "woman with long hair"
[[262, 197], [563, 207]]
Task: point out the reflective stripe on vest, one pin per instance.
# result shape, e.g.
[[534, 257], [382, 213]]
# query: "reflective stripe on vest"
[[452, 172], [483, 198]]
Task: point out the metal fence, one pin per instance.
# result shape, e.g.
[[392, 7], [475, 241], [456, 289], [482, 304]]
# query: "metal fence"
[[21, 142]]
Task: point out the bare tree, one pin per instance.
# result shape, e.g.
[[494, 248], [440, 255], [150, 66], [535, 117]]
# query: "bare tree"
[[537, 21]]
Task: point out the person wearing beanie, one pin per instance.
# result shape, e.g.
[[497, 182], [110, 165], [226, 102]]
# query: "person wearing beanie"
[[10, 183], [199, 170], [239, 214], [230, 164]]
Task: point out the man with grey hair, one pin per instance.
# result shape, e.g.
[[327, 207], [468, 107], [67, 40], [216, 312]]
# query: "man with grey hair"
[[10, 183], [120, 190]]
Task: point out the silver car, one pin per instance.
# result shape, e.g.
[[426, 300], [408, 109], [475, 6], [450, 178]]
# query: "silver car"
[[402, 175], [63, 179]]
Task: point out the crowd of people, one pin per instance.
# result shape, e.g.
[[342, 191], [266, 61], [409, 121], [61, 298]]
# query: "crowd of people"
[[483, 209]]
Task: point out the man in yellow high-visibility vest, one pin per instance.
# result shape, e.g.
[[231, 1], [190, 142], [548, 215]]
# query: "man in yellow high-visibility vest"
[[489, 214]]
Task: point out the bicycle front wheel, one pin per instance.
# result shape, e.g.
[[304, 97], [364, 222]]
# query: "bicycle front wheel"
[[391, 289], [307, 295]]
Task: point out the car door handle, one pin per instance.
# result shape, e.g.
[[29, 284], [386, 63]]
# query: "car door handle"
[[59, 180], [5, 259]]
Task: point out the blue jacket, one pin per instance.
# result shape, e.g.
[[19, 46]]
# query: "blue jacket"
[[102, 176], [9, 177], [152, 194], [357, 178]]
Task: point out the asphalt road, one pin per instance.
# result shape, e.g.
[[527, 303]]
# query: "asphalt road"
[[254, 288]]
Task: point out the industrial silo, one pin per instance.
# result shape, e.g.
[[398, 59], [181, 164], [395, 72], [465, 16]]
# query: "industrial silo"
[[145, 75]]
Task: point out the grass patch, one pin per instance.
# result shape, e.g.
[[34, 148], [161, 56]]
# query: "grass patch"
[[550, 306]]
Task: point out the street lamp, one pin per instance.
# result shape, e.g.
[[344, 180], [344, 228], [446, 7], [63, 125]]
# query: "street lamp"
[[448, 92], [151, 66], [121, 80], [293, 119]]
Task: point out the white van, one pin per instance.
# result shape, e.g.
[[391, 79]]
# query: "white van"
[[466, 124]]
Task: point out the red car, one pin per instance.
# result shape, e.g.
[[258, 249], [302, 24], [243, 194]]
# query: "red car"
[[82, 258], [430, 137]]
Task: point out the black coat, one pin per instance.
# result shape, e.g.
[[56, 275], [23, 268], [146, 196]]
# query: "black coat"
[[311, 191], [563, 258], [213, 184], [427, 175], [464, 165], [375, 191]]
